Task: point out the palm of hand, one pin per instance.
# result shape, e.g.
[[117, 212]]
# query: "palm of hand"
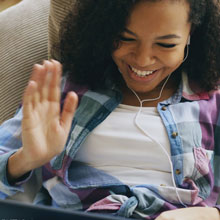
[[44, 128]]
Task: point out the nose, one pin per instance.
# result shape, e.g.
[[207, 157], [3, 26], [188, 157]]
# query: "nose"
[[144, 56]]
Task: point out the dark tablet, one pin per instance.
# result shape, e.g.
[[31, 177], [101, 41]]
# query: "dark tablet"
[[13, 210]]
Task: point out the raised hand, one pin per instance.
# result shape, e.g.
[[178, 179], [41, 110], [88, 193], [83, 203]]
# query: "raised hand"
[[44, 127]]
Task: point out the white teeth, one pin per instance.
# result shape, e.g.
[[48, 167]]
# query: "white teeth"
[[141, 73]]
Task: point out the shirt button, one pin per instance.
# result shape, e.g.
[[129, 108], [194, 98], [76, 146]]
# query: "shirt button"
[[178, 172], [174, 134], [164, 108]]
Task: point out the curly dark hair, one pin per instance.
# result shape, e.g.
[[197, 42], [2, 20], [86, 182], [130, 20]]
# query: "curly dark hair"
[[92, 30]]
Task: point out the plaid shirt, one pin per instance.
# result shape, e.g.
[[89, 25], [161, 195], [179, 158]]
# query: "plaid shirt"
[[192, 121]]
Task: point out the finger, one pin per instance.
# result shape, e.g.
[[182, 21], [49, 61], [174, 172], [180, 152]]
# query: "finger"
[[54, 87], [28, 98], [39, 76], [37, 68], [69, 108], [36, 98], [46, 78]]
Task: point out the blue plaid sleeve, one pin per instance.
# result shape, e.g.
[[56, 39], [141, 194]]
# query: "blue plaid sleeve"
[[10, 142]]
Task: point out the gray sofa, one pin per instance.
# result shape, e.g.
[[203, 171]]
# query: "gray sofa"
[[25, 39]]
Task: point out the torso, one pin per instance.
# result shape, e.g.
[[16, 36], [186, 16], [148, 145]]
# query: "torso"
[[120, 149]]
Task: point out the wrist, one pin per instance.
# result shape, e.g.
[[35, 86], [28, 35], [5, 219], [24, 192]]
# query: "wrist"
[[18, 165]]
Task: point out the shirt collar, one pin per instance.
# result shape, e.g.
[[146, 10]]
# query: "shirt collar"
[[192, 91], [188, 90]]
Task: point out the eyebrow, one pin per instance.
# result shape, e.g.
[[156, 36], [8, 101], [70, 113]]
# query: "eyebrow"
[[169, 36]]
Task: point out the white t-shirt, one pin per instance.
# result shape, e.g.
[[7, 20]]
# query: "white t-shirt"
[[119, 148]]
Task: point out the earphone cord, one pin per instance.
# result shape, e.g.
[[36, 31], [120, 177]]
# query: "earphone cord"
[[187, 53], [153, 139]]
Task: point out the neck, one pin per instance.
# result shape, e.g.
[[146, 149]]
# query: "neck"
[[163, 91]]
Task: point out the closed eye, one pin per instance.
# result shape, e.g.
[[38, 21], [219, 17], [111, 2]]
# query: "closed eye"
[[126, 39], [166, 45]]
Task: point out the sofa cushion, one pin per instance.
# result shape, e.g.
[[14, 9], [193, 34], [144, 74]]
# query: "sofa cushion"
[[23, 42]]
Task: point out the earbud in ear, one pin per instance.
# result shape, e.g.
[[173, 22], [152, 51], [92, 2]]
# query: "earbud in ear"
[[188, 41]]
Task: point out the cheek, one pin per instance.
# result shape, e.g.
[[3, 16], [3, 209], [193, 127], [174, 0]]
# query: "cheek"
[[117, 57], [169, 59], [122, 52], [118, 54], [114, 56], [172, 59]]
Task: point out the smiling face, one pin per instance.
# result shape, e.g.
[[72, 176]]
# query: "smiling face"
[[152, 44]]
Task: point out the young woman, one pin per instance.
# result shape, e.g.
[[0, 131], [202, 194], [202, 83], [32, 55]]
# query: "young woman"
[[144, 140]]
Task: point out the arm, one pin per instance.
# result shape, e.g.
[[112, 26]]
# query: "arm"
[[194, 213], [44, 128]]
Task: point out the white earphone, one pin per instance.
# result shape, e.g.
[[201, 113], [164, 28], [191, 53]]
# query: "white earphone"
[[187, 49], [153, 139], [188, 41]]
